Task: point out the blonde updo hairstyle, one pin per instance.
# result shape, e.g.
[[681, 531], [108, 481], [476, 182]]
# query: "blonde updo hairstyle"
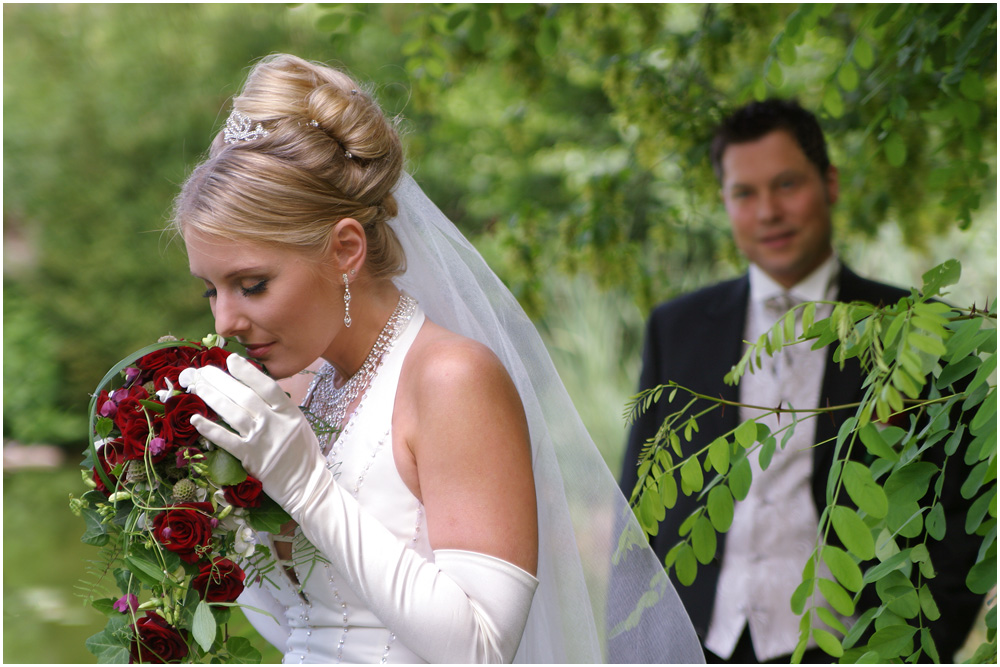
[[330, 153]]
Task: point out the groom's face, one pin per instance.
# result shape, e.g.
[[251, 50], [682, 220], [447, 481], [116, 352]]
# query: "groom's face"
[[779, 205]]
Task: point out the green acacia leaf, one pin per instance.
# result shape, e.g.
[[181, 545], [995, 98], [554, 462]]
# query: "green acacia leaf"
[[828, 642], [827, 617], [986, 414], [802, 593], [808, 316], [703, 540], [944, 274], [203, 626], [740, 478], [691, 475], [982, 576], [871, 438], [890, 564], [930, 344], [668, 490], [685, 564], [838, 598], [767, 453], [958, 370], [864, 490], [935, 522], [930, 648], [928, 605], [892, 641], [746, 434], [718, 454], [843, 567], [979, 509], [853, 532], [720, 508]]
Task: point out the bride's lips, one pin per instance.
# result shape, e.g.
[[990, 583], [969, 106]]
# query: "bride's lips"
[[258, 350]]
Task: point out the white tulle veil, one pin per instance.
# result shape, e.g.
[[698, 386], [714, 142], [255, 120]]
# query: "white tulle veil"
[[601, 597]]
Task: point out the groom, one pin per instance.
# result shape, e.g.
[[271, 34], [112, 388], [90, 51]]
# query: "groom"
[[779, 189]]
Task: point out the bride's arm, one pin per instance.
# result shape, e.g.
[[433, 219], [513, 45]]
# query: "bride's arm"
[[465, 606], [464, 426]]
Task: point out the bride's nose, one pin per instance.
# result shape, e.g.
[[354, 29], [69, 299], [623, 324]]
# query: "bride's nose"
[[230, 321]]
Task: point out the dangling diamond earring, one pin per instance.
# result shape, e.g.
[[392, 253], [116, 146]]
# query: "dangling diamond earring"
[[347, 302]]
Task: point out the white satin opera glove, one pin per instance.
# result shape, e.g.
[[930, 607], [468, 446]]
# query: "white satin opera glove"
[[463, 607]]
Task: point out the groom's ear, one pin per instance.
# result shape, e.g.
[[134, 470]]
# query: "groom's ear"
[[348, 246]]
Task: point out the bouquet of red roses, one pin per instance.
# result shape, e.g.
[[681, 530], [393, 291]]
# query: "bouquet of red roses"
[[173, 514]]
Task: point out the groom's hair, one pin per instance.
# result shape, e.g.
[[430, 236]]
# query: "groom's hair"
[[754, 120]]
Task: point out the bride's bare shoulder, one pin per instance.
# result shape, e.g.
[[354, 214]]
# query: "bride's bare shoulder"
[[443, 361]]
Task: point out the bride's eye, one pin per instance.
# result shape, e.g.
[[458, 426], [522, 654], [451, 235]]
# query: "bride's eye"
[[256, 288], [209, 293]]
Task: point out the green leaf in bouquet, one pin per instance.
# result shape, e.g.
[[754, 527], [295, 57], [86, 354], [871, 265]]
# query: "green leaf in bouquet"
[[127, 582], [268, 517], [111, 645], [223, 468], [105, 605], [241, 652], [203, 626], [145, 570], [96, 531], [154, 406], [104, 427]]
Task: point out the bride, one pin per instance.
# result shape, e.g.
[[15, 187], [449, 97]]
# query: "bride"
[[447, 503]]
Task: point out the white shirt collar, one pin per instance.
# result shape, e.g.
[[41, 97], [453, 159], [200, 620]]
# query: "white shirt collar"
[[817, 286]]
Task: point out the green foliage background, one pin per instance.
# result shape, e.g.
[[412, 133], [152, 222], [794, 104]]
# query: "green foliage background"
[[568, 141]]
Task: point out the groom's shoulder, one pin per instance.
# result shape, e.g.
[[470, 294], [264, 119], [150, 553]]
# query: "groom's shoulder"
[[701, 301]]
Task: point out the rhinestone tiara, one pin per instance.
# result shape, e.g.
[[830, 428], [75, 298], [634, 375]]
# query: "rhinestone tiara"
[[239, 127]]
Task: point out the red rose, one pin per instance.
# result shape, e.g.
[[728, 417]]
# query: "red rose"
[[213, 356], [219, 581], [177, 429], [166, 377], [129, 408], [156, 641], [184, 528], [244, 494], [152, 363], [109, 455], [136, 435]]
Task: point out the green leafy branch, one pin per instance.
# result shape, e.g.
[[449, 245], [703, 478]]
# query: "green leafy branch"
[[928, 414]]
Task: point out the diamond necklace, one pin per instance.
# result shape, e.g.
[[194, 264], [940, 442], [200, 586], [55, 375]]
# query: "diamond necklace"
[[325, 406]]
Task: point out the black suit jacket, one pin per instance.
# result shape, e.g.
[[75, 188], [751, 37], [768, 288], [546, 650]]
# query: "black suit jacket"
[[695, 340]]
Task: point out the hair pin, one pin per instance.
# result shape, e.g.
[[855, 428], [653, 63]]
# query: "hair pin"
[[239, 127]]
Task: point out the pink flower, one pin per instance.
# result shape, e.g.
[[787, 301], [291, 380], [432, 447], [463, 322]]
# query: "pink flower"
[[127, 603], [156, 446]]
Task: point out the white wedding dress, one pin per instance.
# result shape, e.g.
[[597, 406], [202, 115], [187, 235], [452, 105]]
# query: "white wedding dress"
[[602, 595], [328, 622]]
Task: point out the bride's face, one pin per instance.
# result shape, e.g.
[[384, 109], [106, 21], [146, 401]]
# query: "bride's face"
[[276, 301]]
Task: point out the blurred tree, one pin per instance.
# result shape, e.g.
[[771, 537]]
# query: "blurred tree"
[[106, 109], [589, 124]]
